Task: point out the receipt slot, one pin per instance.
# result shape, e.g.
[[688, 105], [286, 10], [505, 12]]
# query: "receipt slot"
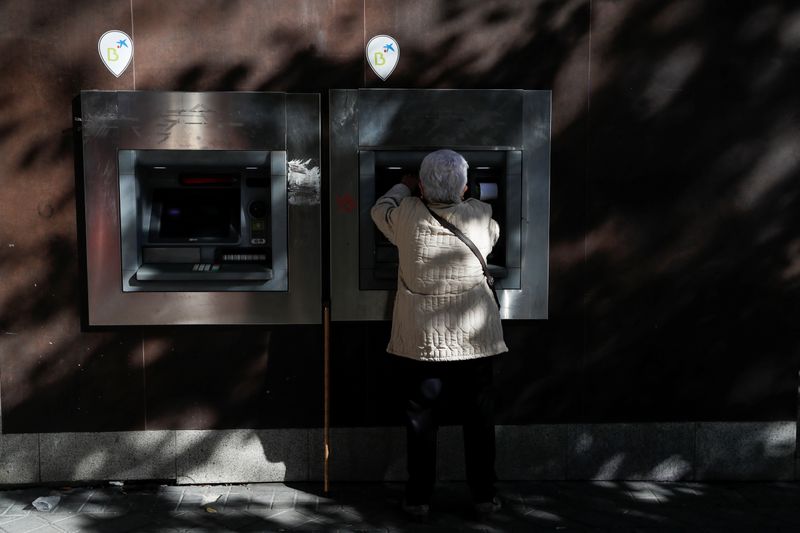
[[190, 204], [378, 135]]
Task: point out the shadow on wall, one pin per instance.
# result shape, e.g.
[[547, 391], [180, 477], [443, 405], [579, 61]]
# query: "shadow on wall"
[[674, 264], [673, 255], [692, 203]]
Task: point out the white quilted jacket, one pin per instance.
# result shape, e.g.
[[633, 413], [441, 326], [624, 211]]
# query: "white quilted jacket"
[[444, 309]]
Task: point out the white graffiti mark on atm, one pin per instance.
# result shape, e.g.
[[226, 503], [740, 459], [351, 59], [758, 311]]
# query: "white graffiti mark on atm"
[[304, 182], [197, 115]]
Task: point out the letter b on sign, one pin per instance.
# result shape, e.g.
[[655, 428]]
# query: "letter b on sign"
[[113, 55], [379, 59]]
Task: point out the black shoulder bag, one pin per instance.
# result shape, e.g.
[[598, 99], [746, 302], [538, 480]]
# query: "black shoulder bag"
[[471, 245]]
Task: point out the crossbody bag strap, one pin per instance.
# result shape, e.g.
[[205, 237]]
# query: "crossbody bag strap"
[[471, 245]]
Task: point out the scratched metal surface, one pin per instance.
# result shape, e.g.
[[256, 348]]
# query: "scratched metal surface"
[[370, 119], [197, 121]]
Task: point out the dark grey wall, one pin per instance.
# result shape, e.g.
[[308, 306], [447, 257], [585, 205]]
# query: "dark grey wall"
[[675, 260]]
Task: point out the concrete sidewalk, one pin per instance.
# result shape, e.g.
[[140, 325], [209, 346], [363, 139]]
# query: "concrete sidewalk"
[[529, 507]]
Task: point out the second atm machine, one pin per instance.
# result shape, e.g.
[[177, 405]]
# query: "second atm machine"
[[378, 135], [200, 208]]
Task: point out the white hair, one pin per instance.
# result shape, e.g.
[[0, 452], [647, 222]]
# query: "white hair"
[[443, 174]]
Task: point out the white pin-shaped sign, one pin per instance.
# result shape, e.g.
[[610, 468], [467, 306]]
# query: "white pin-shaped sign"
[[383, 53], [116, 50]]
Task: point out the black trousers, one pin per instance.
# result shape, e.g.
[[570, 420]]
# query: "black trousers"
[[468, 386]]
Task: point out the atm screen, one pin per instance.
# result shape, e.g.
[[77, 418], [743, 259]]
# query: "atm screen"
[[493, 176], [196, 215]]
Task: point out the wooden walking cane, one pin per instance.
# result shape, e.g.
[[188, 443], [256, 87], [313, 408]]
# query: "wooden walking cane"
[[326, 320]]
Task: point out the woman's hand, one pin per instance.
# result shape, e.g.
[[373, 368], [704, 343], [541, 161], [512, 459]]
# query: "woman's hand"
[[410, 181]]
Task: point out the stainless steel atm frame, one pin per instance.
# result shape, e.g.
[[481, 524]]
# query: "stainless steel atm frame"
[[367, 121], [112, 126]]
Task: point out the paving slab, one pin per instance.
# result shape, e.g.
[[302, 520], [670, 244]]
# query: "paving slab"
[[607, 506]]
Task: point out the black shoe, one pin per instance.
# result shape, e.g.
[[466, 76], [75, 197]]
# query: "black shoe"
[[419, 512], [487, 508]]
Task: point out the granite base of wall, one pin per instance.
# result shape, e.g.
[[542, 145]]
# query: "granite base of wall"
[[703, 451]]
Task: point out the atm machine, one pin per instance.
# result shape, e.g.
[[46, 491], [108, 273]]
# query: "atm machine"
[[200, 208], [378, 135]]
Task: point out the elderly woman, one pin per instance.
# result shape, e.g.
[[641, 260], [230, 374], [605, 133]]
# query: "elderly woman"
[[446, 324]]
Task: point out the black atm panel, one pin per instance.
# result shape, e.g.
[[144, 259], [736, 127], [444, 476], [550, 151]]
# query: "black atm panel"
[[494, 176], [377, 135], [189, 200], [191, 218]]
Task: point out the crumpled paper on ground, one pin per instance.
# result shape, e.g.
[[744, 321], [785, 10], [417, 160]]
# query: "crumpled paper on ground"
[[46, 504]]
